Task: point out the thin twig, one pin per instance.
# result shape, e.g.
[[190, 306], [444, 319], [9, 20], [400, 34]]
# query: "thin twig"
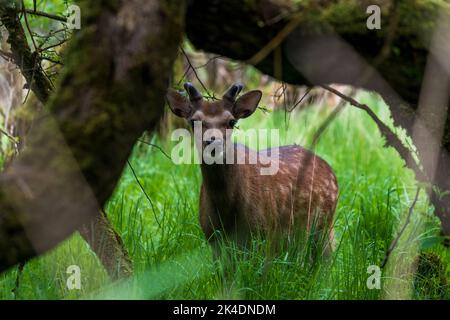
[[196, 74], [395, 241], [9, 136], [6, 55], [209, 61], [52, 60], [51, 33], [308, 90], [54, 45], [28, 26], [155, 146], [145, 193], [329, 119], [188, 69], [46, 15]]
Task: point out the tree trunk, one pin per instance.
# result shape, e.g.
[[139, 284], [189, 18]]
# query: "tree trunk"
[[111, 90], [99, 233], [108, 246]]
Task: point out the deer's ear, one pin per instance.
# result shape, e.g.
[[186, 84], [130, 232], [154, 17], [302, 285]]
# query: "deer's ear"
[[246, 104], [179, 104]]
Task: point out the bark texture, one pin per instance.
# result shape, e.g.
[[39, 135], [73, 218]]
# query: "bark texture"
[[108, 246]]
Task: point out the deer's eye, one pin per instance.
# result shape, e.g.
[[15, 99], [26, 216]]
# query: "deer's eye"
[[232, 123]]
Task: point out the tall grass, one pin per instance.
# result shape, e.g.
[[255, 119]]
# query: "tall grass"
[[173, 260]]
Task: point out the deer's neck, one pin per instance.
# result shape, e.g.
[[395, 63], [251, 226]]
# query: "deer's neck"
[[226, 184], [220, 179]]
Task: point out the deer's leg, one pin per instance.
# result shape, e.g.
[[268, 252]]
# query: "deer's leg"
[[108, 246]]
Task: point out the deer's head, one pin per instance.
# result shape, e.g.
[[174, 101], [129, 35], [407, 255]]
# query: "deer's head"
[[215, 118]]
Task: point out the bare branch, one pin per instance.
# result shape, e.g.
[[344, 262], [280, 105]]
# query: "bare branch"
[[392, 139], [28, 26], [46, 15], [52, 60], [54, 45], [10, 137], [329, 119], [209, 95]]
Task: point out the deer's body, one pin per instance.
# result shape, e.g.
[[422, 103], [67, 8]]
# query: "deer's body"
[[238, 201], [235, 198]]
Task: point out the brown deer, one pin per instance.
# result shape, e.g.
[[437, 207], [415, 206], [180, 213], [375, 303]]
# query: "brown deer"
[[235, 198]]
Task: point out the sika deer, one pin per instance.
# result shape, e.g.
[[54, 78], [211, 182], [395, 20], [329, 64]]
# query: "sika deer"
[[235, 198]]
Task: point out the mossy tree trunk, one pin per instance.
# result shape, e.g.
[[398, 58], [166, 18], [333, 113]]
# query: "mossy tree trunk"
[[111, 90]]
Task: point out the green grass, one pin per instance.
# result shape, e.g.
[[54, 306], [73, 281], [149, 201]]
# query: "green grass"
[[173, 260]]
